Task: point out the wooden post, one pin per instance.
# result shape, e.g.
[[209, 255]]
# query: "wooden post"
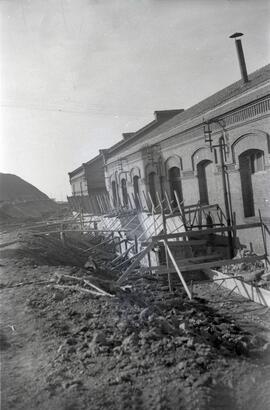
[[195, 215], [153, 212], [178, 271], [168, 202], [171, 212], [146, 201], [99, 206], [200, 217], [136, 243], [234, 232], [165, 240], [264, 237], [149, 262], [134, 200], [181, 209], [81, 219]]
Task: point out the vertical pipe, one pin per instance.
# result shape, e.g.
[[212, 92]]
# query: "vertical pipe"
[[240, 55], [225, 191], [241, 60]]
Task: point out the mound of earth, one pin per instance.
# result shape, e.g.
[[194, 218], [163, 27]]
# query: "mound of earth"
[[21, 200]]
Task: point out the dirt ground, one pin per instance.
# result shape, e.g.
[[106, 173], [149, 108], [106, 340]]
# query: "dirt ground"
[[144, 348]]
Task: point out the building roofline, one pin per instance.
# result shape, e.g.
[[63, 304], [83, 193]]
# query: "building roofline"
[[93, 159], [84, 164], [161, 116], [75, 171], [218, 99]]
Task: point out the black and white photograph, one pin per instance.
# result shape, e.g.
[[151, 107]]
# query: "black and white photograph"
[[135, 204]]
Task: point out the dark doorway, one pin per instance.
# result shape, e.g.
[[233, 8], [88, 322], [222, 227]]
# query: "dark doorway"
[[124, 192], [152, 187], [202, 181], [250, 161], [114, 192], [136, 191], [175, 185]]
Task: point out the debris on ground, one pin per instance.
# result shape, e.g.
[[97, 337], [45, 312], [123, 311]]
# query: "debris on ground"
[[121, 347], [256, 272]]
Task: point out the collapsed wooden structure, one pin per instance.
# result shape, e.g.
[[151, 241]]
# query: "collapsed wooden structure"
[[168, 239]]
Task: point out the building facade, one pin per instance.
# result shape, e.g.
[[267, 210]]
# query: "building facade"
[[221, 144], [89, 178], [78, 182]]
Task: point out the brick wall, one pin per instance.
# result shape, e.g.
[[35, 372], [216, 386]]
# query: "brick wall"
[[189, 148]]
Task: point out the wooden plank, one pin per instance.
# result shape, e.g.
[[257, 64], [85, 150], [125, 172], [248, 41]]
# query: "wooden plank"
[[206, 231], [80, 230], [205, 265], [140, 256], [194, 206], [198, 242], [160, 268], [178, 270], [72, 287], [202, 258], [254, 293], [87, 282]]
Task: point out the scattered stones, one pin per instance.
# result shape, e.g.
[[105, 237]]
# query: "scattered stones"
[[130, 341], [204, 380], [99, 339], [144, 315]]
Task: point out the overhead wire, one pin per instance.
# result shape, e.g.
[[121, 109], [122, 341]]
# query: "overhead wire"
[[87, 111]]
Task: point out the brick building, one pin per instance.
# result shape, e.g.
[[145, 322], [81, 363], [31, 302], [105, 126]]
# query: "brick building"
[[175, 154], [215, 152]]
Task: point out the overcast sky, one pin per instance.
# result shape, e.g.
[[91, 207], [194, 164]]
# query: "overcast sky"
[[76, 74]]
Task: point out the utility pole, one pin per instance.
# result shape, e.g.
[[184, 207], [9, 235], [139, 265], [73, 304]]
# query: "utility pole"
[[226, 190]]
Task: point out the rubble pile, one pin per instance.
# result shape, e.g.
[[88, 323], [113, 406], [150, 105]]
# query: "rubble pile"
[[124, 347], [256, 273], [142, 331]]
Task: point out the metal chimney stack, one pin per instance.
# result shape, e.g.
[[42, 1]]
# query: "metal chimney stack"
[[241, 57]]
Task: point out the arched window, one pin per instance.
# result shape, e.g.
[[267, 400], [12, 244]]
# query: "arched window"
[[114, 193], [152, 187], [124, 192], [175, 184], [250, 162], [136, 191], [202, 181]]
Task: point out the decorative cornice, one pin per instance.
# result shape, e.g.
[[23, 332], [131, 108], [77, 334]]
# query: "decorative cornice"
[[243, 115]]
